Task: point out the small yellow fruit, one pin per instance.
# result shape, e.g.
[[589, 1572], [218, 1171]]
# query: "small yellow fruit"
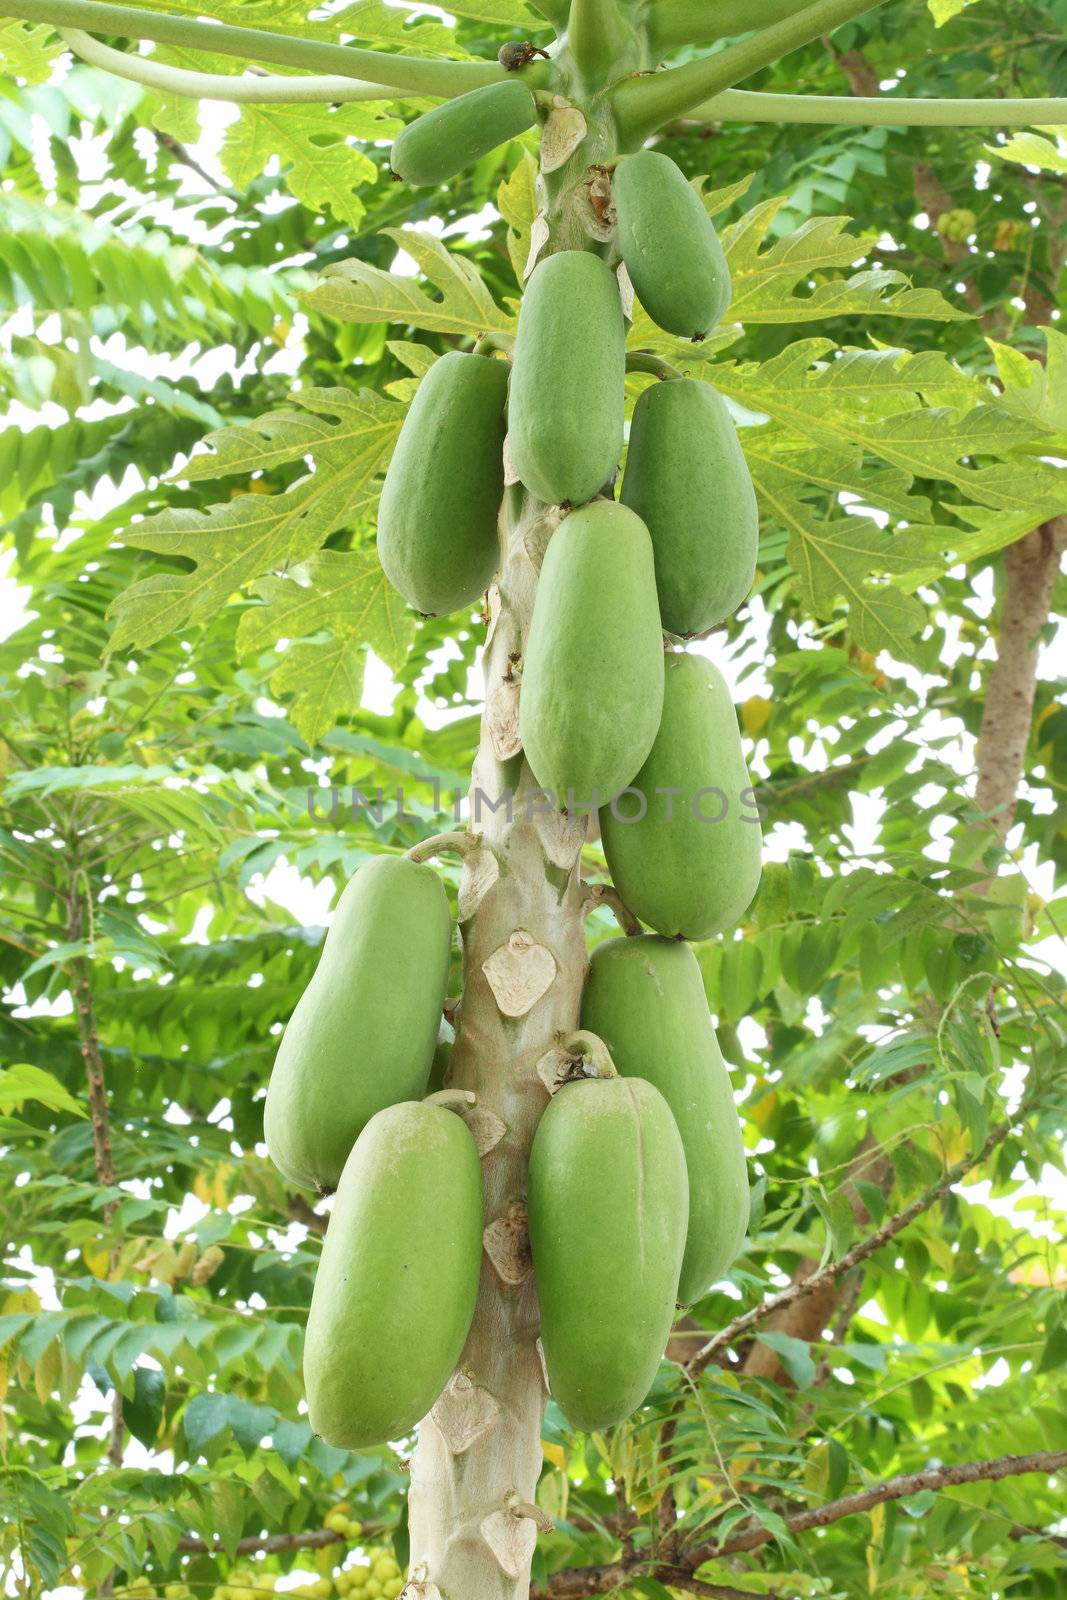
[[351, 1528]]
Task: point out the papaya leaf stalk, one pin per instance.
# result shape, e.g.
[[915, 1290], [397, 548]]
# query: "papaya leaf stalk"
[[643, 104], [744, 105], [410, 73]]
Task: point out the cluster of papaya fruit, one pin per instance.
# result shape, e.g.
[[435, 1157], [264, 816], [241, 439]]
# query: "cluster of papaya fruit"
[[637, 1193]]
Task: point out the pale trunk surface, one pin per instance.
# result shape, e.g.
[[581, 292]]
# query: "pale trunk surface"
[[456, 1486]]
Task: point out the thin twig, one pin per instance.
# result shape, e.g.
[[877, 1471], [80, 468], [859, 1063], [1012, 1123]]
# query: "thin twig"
[[859, 1252]]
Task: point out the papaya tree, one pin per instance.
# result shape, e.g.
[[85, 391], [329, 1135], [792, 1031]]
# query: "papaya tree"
[[604, 1220]]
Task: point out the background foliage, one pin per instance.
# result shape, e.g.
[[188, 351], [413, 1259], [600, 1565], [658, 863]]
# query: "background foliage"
[[191, 660]]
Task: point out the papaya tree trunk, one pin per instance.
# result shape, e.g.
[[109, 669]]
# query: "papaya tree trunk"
[[472, 1518], [478, 1458]]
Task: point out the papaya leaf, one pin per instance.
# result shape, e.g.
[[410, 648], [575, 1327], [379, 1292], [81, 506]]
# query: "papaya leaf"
[[1032, 390], [241, 539], [28, 50], [347, 592], [516, 200], [323, 168], [343, 590], [500, 13], [766, 278], [834, 556], [355, 291]]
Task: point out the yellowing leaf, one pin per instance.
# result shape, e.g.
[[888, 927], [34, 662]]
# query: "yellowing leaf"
[[755, 713], [516, 200], [97, 1258]]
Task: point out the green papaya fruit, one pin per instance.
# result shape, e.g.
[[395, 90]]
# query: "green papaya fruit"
[[645, 998], [398, 1277], [592, 674], [669, 245], [456, 134], [607, 1202], [437, 518], [687, 479], [683, 843], [566, 413], [364, 1031]]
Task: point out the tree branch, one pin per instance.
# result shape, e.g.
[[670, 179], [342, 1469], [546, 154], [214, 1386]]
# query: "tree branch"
[[407, 73], [1030, 568], [298, 1210], [271, 1543], [889, 1229], [103, 1157], [580, 1582], [748, 1537]]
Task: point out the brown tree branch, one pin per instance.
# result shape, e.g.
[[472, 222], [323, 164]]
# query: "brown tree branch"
[[833, 1270], [1030, 568], [749, 1537], [581, 1582], [273, 1543], [298, 1210]]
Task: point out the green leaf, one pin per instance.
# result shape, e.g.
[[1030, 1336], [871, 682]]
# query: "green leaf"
[[356, 291], [347, 592], [1029, 148], [205, 1417], [323, 168], [1055, 1352], [143, 1413], [291, 1440], [943, 11], [516, 201], [765, 276], [794, 1355], [349, 438], [28, 50], [22, 1081], [1035, 390]]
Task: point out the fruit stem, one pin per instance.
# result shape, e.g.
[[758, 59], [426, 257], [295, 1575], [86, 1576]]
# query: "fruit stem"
[[592, 1049], [488, 342], [462, 844], [645, 361], [605, 894]]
